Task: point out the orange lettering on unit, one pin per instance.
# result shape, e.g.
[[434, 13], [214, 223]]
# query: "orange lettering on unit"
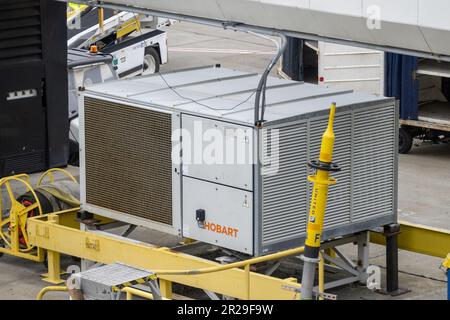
[[217, 228]]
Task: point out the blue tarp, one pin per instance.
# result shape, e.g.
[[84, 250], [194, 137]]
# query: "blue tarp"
[[402, 83]]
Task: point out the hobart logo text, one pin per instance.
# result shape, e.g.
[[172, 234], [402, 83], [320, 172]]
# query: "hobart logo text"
[[224, 230]]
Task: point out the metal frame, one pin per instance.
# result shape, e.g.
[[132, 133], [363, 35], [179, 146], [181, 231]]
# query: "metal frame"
[[46, 232], [104, 248], [357, 271], [228, 280], [418, 238]]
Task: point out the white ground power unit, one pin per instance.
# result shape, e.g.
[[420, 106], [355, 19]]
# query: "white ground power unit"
[[180, 153]]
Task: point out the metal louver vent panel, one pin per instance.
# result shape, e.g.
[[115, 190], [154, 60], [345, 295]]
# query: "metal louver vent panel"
[[284, 190], [364, 149], [128, 160], [20, 31], [338, 205], [374, 162]]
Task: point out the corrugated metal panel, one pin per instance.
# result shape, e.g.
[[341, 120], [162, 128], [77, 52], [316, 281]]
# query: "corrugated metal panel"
[[128, 160], [20, 31], [284, 190], [373, 163], [338, 206], [364, 149]]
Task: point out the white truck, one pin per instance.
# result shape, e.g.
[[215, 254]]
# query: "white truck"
[[364, 70], [123, 46]]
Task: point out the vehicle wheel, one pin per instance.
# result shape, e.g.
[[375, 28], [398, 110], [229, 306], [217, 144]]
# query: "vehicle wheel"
[[151, 62], [405, 141]]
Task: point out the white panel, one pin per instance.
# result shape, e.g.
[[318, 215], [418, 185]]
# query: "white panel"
[[340, 19], [249, 12], [401, 19], [398, 11], [398, 25], [226, 168], [346, 67], [434, 14], [300, 18], [435, 24], [228, 218]]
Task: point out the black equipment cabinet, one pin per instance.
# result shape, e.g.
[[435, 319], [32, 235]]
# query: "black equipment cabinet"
[[34, 125]]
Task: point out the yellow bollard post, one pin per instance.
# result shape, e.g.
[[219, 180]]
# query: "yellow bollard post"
[[321, 181]]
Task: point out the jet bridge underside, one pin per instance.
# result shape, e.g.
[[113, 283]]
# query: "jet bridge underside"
[[417, 27]]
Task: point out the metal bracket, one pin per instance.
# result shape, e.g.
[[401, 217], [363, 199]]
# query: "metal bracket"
[[326, 296]]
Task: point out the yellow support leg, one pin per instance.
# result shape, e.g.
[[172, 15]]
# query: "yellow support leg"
[[54, 269], [165, 287], [53, 260]]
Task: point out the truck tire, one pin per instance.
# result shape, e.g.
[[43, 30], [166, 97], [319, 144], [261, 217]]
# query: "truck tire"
[[151, 62], [405, 140]]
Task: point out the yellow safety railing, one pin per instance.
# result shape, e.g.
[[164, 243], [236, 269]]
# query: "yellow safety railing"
[[45, 290], [139, 293]]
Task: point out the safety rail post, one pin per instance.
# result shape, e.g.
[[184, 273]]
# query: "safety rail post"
[[53, 259]]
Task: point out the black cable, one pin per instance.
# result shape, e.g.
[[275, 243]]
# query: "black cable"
[[261, 90], [202, 104]]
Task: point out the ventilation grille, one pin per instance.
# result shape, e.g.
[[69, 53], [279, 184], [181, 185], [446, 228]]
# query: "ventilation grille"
[[374, 160], [284, 184], [128, 160], [30, 162], [20, 31], [365, 150], [338, 195]]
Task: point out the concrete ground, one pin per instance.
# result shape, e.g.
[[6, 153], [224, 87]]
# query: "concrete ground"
[[424, 178]]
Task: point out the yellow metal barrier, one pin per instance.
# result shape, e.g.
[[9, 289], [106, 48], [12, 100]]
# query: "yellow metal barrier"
[[51, 289], [191, 271], [232, 281], [139, 293], [419, 238], [50, 175]]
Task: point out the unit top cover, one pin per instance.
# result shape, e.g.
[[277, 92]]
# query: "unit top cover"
[[230, 95]]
